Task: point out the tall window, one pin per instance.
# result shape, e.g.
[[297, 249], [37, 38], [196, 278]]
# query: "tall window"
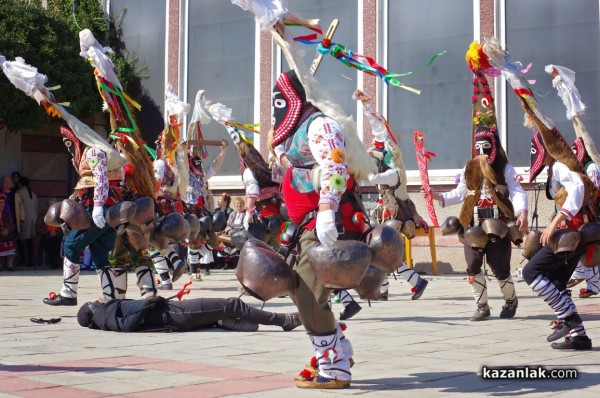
[[143, 27], [338, 80], [416, 31], [221, 61], [555, 32]]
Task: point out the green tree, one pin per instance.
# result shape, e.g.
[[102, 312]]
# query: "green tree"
[[49, 40]]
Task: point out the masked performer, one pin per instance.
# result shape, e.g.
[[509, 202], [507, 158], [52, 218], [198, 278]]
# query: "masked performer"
[[548, 271], [171, 170], [491, 194], [262, 200], [131, 242], [99, 166], [564, 82], [196, 196], [394, 202]]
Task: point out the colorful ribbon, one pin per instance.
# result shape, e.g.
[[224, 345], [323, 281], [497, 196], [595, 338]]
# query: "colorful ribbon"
[[423, 157]]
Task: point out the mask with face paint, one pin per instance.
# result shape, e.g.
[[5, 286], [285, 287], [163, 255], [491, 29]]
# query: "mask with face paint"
[[72, 143], [485, 144], [580, 152], [196, 165], [538, 153], [288, 99]]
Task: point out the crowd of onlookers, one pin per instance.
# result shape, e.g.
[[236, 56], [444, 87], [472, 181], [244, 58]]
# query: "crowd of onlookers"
[[25, 240]]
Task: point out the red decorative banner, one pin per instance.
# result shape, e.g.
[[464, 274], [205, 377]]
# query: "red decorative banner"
[[423, 157]]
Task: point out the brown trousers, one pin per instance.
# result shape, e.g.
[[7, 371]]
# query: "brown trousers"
[[311, 297], [497, 256]]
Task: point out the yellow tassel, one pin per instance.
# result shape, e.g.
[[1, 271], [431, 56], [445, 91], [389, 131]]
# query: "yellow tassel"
[[472, 55]]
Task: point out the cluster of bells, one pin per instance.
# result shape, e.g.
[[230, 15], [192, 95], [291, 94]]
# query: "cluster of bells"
[[347, 264], [137, 221], [492, 229]]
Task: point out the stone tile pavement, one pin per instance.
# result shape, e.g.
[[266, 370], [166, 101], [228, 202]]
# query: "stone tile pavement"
[[426, 348]]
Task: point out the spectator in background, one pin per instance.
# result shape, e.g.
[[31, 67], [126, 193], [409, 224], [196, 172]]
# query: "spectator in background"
[[7, 190], [27, 211], [50, 239], [15, 177], [224, 202], [7, 236], [236, 218]]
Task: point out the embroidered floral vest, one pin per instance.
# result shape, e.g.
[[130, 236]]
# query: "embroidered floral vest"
[[299, 155], [86, 179]]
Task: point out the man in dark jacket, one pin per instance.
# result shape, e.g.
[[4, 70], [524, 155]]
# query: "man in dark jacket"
[[163, 315]]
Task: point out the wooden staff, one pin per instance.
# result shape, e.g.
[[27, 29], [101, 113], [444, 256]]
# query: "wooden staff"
[[318, 56]]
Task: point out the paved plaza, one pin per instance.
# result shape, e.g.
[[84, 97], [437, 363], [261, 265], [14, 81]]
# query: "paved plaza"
[[423, 348]]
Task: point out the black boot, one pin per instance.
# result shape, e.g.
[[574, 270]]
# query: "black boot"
[[61, 300], [574, 343]]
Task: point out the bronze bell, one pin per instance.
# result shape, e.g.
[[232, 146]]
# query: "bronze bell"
[[494, 228], [136, 238], [369, 288], [409, 229], [219, 221], [144, 212], [205, 224], [120, 215], [74, 215], [516, 236], [590, 232], [263, 273], [239, 238], [173, 228], [258, 231], [387, 246], [194, 226], [564, 241], [532, 244], [476, 238], [594, 260], [52, 216], [451, 225], [396, 224], [341, 266]]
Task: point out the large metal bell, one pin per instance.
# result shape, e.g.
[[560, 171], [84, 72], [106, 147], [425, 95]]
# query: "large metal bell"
[[263, 273], [532, 244], [409, 229], [137, 238], [387, 246], [341, 266], [173, 228], [476, 238], [396, 224], [590, 232], [564, 241], [205, 224], [494, 228], [451, 225], [516, 235], [52, 216], [120, 215], [239, 237], [144, 214], [194, 226], [258, 231], [219, 221], [74, 215], [369, 288]]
